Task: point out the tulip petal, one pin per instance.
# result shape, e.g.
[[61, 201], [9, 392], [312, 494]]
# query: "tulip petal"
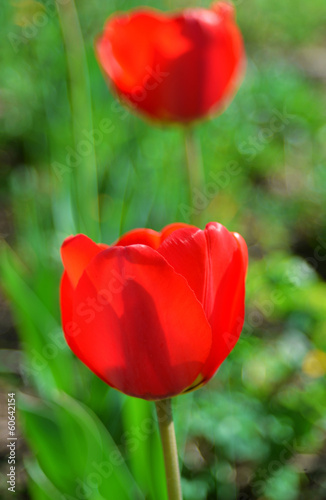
[[142, 330], [70, 328], [66, 300], [167, 230], [125, 66], [185, 249], [152, 32], [213, 66], [140, 237], [76, 252], [214, 264], [149, 237], [228, 308]]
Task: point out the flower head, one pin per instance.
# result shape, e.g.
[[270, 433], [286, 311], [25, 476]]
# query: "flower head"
[[155, 314], [173, 68]]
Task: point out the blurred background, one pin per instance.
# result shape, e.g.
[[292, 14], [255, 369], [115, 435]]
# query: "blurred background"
[[258, 429]]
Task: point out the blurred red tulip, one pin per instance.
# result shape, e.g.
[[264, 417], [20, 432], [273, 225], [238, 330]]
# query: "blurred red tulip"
[[155, 314], [173, 68]]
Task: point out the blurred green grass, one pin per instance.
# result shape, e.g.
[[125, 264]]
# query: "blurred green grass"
[[257, 431]]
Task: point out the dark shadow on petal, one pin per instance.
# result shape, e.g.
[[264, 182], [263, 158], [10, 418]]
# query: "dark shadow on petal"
[[148, 371]]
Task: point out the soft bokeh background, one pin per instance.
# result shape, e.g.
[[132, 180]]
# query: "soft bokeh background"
[[257, 431]]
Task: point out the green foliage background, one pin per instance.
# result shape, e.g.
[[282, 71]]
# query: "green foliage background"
[[257, 430]]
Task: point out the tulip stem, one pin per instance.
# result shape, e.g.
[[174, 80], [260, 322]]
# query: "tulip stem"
[[195, 171], [169, 445]]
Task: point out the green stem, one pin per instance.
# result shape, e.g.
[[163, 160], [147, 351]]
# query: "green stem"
[[170, 452], [84, 176], [195, 170]]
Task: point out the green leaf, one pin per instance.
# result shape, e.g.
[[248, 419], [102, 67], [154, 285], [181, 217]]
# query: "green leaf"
[[39, 485], [74, 450], [39, 330]]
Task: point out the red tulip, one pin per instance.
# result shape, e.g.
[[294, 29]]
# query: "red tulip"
[[155, 314], [173, 68]]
